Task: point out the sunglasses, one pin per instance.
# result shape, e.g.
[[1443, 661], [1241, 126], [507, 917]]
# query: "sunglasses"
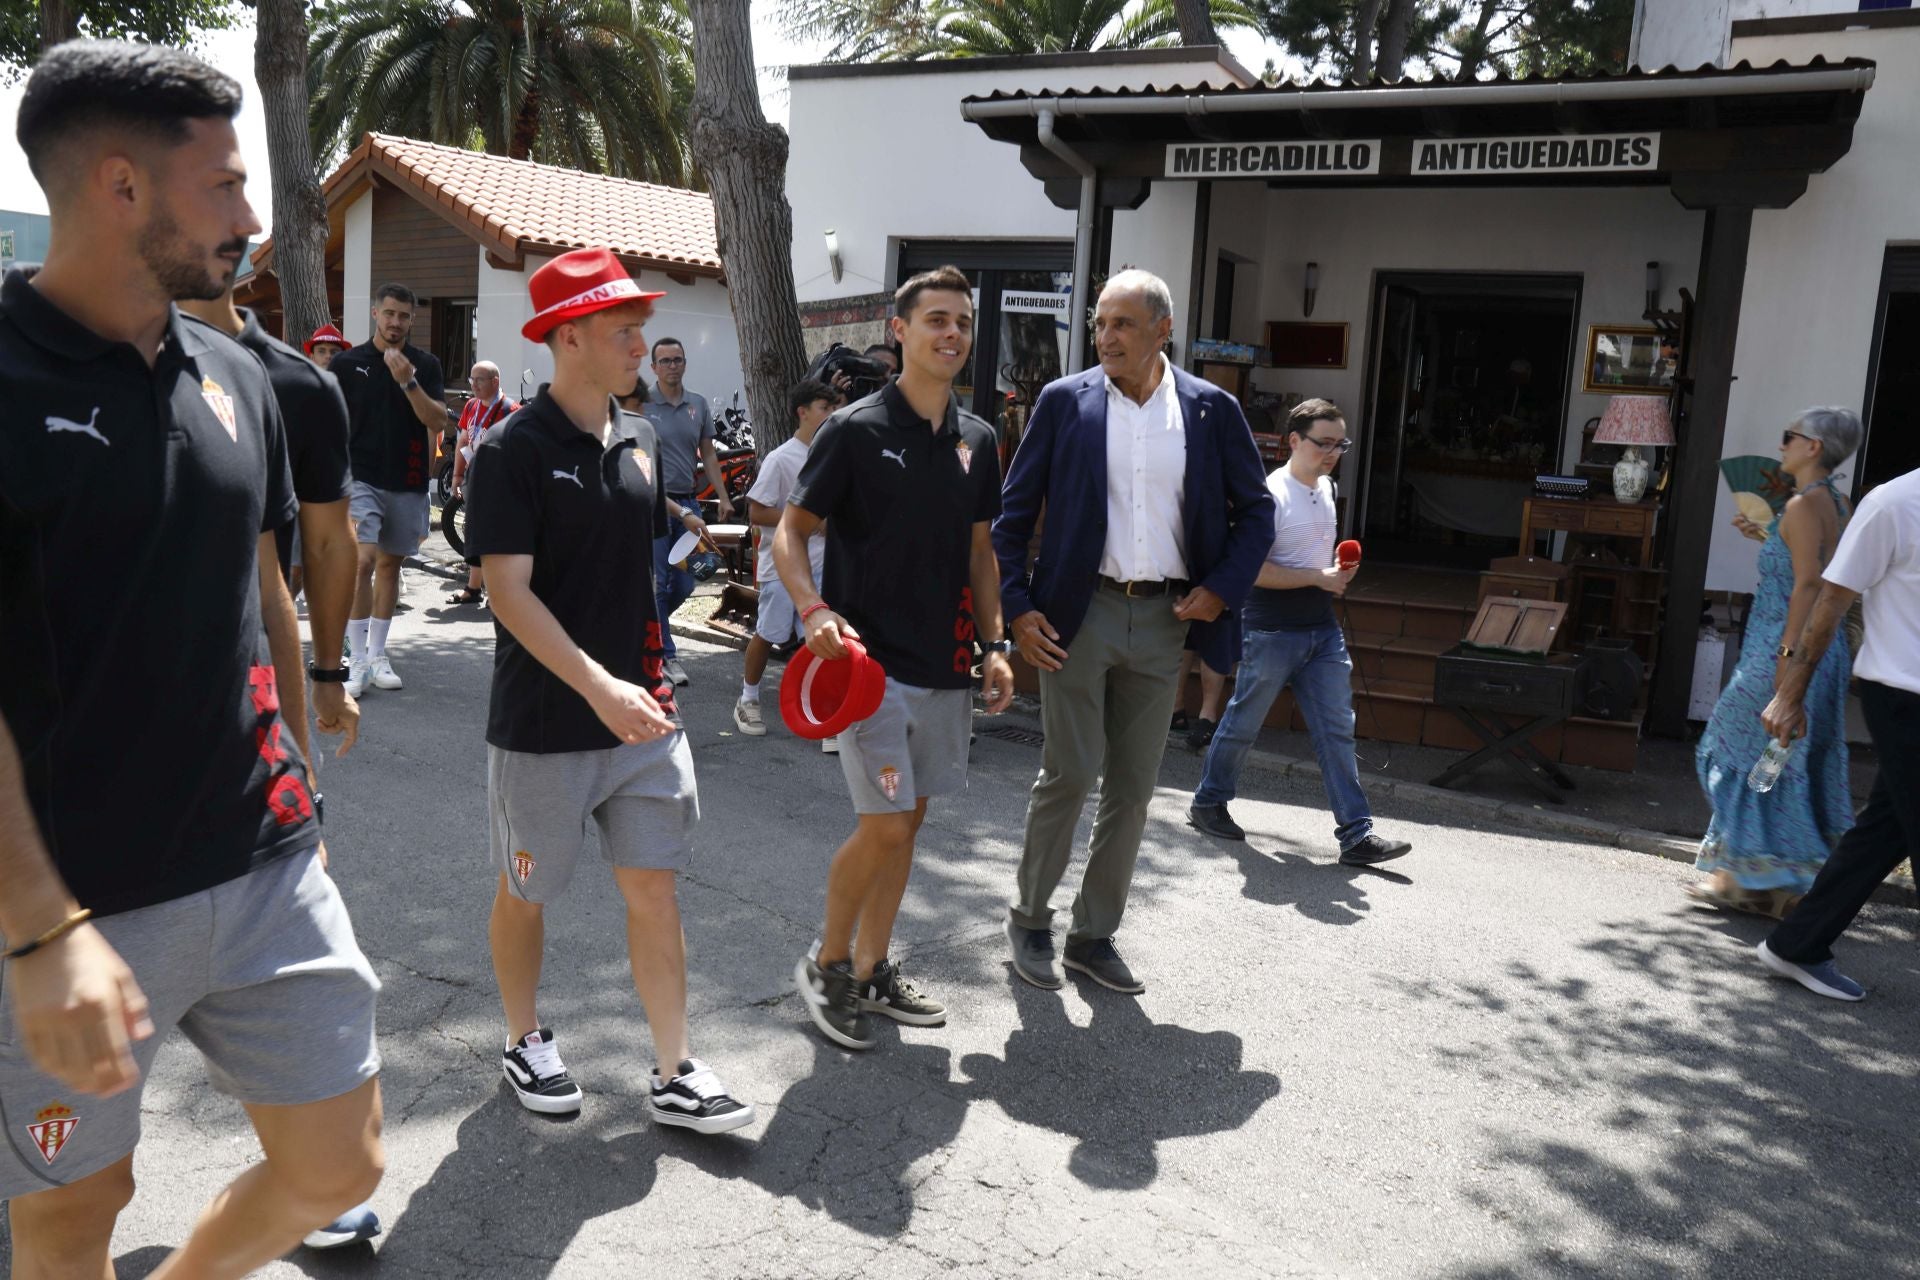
[[1789, 436], [1339, 446]]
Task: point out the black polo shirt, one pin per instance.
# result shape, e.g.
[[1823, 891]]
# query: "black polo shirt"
[[900, 499], [136, 679], [314, 414], [588, 514], [389, 448]]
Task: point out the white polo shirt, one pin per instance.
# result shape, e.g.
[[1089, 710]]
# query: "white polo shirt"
[[771, 488], [1879, 556], [1146, 485]]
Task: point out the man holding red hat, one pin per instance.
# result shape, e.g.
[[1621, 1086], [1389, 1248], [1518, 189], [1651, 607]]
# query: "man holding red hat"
[[566, 500], [326, 343], [908, 486]]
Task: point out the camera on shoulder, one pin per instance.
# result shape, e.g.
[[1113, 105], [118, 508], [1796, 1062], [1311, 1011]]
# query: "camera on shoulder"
[[864, 374]]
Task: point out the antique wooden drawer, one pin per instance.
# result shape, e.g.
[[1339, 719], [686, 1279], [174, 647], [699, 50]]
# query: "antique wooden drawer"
[[1617, 521], [1514, 686], [1559, 517]]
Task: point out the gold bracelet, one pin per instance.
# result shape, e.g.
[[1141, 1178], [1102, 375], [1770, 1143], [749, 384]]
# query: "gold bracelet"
[[52, 935]]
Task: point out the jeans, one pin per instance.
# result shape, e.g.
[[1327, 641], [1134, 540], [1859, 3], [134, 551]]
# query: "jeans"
[[1886, 834], [675, 585], [1316, 664]]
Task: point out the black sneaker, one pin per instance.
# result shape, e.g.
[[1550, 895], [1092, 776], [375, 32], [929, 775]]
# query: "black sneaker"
[[1200, 736], [1033, 957], [538, 1077], [1214, 820], [1180, 723], [1100, 960], [891, 993], [832, 999], [1374, 850], [695, 1099]]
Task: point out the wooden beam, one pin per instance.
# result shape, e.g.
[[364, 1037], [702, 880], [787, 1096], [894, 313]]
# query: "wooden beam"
[[1748, 190], [1696, 464], [681, 278], [499, 263]]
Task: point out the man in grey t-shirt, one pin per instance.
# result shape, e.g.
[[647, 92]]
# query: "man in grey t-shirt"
[[683, 423]]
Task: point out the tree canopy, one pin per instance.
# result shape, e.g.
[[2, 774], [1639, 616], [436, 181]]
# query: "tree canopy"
[[29, 27], [871, 30]]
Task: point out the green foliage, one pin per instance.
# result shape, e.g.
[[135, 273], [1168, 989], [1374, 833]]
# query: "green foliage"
[[1454, 37], [176, 22], [599, 85], [872, 30]]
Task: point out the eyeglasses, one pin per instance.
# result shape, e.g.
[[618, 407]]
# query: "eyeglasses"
[[671, 360], [1338, 446], [1788, 436]]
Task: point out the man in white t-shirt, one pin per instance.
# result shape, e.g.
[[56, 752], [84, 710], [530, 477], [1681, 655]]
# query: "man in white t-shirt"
[[811, 403], [1292, 637], [1878, 557]]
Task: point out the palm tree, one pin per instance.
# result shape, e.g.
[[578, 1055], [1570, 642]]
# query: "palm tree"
[[600, 85], [859, 30]]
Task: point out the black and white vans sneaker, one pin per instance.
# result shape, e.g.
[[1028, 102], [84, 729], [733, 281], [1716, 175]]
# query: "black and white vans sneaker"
[[890, 993], [538, 1077], [695, 1099]]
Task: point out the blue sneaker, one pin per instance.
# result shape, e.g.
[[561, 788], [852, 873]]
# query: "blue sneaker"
[[1823, 979], [351, 1227]]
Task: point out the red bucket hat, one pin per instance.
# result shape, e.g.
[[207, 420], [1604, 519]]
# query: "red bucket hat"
[[578, 284], [326, 333], [819, 699]]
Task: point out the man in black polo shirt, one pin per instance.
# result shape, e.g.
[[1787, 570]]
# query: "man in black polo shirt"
[[146, 775], [566, 503], [393, 392], [908, 485], [315, 417]]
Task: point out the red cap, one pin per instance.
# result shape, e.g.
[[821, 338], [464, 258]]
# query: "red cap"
[[578, 284], [325, 333], [819, 699]]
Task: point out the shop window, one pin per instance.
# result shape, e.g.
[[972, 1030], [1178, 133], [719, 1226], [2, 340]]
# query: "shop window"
[[456, 336]]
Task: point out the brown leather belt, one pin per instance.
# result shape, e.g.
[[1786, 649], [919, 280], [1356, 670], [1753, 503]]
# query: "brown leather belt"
[[1145, 590]]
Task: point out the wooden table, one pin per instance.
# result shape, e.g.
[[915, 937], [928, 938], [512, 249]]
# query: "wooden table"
[[1592, 516]]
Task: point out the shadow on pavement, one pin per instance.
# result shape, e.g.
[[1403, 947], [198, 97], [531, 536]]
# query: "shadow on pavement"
[[1120, 1085]]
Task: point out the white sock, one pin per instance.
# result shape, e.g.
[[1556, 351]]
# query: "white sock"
[[749, 692], [357, 640], [377, 636]]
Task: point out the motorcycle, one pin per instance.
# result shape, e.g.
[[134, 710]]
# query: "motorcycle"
[[739, 464]]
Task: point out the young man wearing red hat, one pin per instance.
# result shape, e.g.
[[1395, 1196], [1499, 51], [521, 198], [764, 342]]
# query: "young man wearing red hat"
[[908, 485], [326, 343], [581, 722]]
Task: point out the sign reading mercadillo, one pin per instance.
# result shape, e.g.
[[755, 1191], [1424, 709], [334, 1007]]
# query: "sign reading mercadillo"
[[1595, 153], [1272, 159]]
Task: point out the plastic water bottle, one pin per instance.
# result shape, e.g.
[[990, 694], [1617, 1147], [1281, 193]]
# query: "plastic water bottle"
[[1772, 763]]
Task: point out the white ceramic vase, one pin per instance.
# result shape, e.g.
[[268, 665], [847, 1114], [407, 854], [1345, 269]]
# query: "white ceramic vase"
[[1630, 475]]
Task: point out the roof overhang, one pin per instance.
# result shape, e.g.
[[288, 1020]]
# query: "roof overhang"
[[1740, 135]]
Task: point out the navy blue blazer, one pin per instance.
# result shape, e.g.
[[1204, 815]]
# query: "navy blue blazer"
[[1061, 467]]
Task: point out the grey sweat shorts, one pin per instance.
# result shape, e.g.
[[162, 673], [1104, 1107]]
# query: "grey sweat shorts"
[[262, 974], [395, 521], [913, 747], [640, 794]]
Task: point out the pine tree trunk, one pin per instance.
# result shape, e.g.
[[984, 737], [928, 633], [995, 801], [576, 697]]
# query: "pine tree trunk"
[[1196, 22], [299, 210], [1364, 22], [59, 22], [745, 161], [1473, 50], [1394, 34]]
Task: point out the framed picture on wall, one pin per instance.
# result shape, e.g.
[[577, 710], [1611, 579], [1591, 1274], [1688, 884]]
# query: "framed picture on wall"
[[1299, 344], [1627, 360]]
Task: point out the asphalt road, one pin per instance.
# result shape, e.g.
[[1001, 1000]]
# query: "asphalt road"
[[1511, 1056]]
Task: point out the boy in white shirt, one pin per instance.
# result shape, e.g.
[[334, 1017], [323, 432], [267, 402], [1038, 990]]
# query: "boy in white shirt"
[[812, 403]]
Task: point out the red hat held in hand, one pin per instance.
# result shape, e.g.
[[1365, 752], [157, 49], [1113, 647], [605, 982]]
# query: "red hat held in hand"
[[820, 699], [578, 284], [326, 333]]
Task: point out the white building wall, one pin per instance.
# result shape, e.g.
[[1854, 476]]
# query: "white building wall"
[[1158, 237], [1691, 33], [699, 314], [852, 171], [1604, 236], [356, 270], [1813, 270]]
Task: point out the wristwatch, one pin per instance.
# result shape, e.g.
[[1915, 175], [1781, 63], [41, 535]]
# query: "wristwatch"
[[996, 646], [328, 675], [411, 384], [1784, 651]]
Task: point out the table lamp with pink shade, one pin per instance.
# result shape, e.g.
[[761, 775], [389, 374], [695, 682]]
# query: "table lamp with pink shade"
[[1633, 421]]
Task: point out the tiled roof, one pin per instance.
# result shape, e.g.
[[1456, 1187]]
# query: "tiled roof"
[[516, 207]]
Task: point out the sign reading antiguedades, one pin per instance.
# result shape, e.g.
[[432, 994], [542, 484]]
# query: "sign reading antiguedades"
[[1597, 153], [1272, 159]]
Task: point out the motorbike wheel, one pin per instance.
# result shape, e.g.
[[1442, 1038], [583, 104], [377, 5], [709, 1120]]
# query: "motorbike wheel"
[[453, 524]]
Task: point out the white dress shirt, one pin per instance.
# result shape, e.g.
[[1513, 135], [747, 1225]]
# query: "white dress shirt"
[[1146, 483]]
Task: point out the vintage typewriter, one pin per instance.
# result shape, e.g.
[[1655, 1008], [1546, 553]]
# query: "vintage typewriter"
[[1561, 487]]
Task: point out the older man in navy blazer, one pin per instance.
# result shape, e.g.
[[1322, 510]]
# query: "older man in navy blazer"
[[1157, 520]]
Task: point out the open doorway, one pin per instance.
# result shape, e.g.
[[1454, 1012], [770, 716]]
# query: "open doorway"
[[1892, 410], [1467, 400]]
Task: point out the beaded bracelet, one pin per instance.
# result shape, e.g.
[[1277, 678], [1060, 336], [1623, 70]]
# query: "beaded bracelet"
[[52, 935]]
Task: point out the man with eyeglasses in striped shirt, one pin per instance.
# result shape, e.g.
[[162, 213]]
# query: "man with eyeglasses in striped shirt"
[[1292, 637]]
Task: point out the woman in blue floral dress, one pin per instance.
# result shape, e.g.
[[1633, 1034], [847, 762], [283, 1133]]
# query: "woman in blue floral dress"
[[1763, 849]]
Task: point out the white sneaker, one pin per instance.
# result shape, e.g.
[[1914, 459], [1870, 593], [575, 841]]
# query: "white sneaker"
[[383, 675], [830, 745], [674, 671], [746, 718], [357, 678]]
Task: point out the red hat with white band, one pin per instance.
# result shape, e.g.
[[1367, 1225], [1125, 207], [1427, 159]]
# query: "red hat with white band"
[[578, 284], [819, 699], [326, 333]]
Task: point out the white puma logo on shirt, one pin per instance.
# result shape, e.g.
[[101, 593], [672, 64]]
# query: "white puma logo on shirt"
[[79, 428], [573, 475], [362, 370], [898, 455]]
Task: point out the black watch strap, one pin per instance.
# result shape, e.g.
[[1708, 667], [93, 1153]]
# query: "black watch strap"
[[996, 646], [328, 675]]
